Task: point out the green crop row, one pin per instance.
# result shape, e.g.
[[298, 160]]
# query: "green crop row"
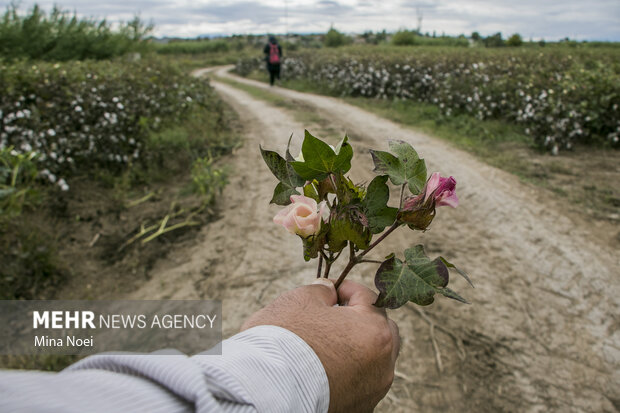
[[81, 115]]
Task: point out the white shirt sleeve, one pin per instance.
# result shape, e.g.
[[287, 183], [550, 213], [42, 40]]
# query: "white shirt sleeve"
[[263, 369]]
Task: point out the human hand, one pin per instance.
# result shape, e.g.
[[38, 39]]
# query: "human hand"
[[356, 341]]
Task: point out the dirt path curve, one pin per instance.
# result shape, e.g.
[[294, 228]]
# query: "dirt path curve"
[[543, 331]]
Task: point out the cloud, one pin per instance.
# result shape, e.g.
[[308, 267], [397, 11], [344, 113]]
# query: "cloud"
[[596, 19]]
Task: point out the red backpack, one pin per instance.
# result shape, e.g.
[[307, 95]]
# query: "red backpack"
[[274, 53]]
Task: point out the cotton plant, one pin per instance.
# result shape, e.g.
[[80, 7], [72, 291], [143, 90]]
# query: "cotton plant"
[[331, 214]]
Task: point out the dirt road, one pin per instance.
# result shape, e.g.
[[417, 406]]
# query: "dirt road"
[[543, 330]]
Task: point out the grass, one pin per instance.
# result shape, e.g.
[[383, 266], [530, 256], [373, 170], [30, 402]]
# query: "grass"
[[299, 110], [204, 58], [256, 92]]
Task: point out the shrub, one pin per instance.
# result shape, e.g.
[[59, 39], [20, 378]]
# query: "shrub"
[[207, 180], [404, 38], [515, 40], [334, 38], [494, 40]]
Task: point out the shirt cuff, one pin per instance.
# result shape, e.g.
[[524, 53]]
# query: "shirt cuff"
[[270, 368]]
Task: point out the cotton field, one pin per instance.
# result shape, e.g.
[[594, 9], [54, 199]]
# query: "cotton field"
[[560, 97]]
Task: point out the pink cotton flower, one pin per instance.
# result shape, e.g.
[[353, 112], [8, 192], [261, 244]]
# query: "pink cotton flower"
[[418, 211], [443, 190], [302, 217]]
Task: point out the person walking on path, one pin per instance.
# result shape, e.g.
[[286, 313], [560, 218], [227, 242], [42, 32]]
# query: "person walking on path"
[[273, 57]]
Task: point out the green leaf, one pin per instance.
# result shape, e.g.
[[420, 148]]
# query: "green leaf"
[[344, 154], [417, 177], [397, 284], [377, 194], [289, 157], [388, 164], [282, 194], [404, 168], [347, 192], [446, 292], [461, 272], [342, 230], [433, 272], [403, 151], [375, 205], [416, 280], [289, 180], [382, 219], [310, 192], [320, 159]]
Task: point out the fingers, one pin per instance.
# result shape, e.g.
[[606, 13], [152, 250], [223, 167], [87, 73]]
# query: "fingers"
[[353, 294], [323, 290], [395, 340]]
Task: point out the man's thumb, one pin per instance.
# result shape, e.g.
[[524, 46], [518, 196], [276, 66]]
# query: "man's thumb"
[[324, 290]]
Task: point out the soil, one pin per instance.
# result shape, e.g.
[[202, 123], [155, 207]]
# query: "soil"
[[542, 333]]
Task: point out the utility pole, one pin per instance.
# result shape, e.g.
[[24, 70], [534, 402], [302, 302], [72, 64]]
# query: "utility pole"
[[286, 20], [418, 11]]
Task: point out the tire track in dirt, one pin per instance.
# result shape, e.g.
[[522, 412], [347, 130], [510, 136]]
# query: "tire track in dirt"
[[542, 333]]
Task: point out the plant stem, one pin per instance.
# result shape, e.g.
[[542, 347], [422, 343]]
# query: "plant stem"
[[328, 266], [344, 274], [381, 238], [370, 261], [332, 178], [353, 260], [402, 196], [14, 176], [318, 271]]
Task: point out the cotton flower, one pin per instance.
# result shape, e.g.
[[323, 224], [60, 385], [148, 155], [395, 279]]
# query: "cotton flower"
[[418, 211], [303, 216], [63, 185]]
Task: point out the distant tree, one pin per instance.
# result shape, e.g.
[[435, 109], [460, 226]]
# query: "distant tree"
[[60, 36], [404, 38], [475, 36], [494, 40], [374, 38], [515, 40], [381, 37], [334, 38], [542, 43]]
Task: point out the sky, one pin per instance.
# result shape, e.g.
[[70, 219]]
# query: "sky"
[[536, 19]]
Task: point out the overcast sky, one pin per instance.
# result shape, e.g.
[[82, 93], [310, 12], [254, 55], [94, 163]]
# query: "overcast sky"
[[548, 19]]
